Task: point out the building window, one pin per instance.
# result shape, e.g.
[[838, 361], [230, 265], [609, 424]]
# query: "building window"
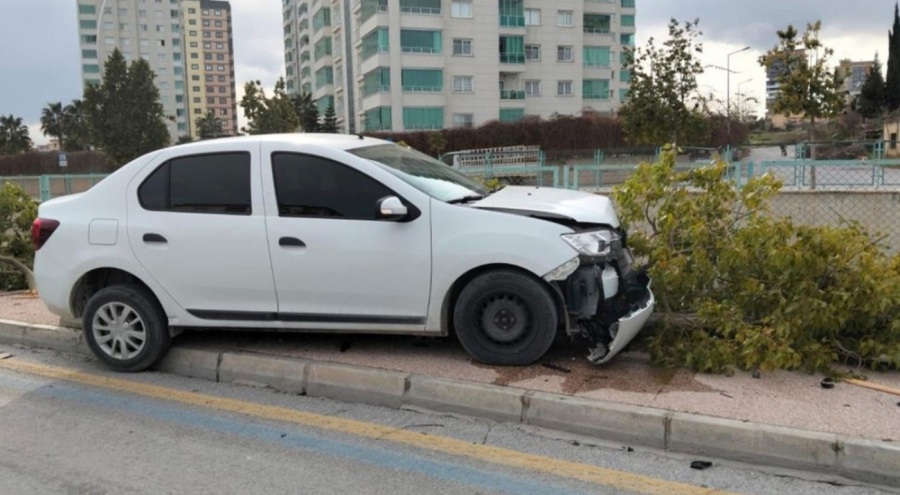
[[564, 88], [218, 24], [223, 100], [511, 114], [88, 53], [90, 68], [462, 84], [87, 24], [423, 118], [209, 78], [532, 88], [374, 42], [420, 41], [422, 80], [465, 120], [564, 53], [532, 17], [142, 13], [208, 67], [218, 12], [596, 56], [461, 8], [220, 46], [161, 56], [595, 89], [192, 11], [223, 111], [462, 47], [198, 111], [565, 18], [532, 52], [223, 89], [87, 9], [627, 21]]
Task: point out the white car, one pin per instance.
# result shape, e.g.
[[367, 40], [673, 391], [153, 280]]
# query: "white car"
[[333, 233]]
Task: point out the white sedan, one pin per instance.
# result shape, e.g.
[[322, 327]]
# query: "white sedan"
[[333, 233]]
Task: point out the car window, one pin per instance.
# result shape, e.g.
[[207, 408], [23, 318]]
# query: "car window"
[[212, 183], [311, 186]]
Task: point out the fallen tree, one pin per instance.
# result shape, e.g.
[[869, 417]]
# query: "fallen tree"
[[739, 288]]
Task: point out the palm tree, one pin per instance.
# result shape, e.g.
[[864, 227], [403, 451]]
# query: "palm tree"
[[14, 136], [53, 122], [75, 126], [208, 126]]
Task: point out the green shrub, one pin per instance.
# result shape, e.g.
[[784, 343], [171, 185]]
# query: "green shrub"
[[17, 213], [740, 288]]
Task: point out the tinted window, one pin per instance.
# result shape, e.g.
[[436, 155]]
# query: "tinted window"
[[309, 186], [215, 183]]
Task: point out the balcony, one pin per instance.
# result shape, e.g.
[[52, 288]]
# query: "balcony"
[[597, 24], [512, 94], [512, 13]]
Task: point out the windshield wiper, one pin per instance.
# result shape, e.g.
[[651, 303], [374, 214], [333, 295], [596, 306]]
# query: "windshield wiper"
[[465, 199]]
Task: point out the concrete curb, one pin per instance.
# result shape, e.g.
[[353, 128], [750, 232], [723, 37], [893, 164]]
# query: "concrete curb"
[[860, 459]]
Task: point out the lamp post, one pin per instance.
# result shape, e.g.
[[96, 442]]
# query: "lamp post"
[[728, 90], [99, 44]]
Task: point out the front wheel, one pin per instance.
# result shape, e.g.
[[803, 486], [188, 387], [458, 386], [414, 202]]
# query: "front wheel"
[[125, 328], [505, 318]]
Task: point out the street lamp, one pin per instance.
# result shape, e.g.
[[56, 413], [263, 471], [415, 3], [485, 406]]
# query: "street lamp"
[[728, 90], [99, 44]]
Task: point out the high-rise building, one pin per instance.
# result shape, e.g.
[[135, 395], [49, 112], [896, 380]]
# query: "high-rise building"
[[188, 44], [432, 64], [773, 89], [855, 74]]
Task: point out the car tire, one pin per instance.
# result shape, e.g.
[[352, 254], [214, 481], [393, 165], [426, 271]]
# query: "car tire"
[[126, 328], [504, 317]]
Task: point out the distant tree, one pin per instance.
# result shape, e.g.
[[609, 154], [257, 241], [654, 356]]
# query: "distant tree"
[[892, 85], [871, 101], [14, 136], [806, 87], [268, 115], [184, 139], [329, 121], [209, 127], [76, 127], [662, 101], [123, 112], [53, 122], [307, 111]]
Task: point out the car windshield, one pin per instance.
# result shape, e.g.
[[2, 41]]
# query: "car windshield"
[[423, 172]]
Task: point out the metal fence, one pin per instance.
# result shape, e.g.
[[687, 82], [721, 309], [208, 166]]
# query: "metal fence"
[[815, 192]]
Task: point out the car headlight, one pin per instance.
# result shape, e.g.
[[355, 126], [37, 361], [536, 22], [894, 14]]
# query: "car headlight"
[[598, 243]]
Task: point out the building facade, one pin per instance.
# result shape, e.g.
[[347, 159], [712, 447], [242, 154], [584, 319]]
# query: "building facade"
[[432, 64], [855, 74], [186, 43]]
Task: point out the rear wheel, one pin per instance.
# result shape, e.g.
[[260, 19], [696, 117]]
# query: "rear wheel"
[[125, 328], [505, 318]]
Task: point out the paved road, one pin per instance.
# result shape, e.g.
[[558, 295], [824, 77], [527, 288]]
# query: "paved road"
[[69, 426]]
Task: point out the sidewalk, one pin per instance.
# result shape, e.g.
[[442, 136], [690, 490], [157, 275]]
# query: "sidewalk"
[[788, 399]]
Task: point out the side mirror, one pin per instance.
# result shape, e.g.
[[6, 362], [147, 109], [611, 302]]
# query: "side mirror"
[[390, 208]]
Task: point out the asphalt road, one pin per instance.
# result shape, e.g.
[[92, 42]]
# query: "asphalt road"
[[69, 426]]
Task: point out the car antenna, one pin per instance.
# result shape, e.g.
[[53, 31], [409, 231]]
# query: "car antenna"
[[360, 136]]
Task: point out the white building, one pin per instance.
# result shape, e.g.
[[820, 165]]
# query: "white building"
[[431, 64]]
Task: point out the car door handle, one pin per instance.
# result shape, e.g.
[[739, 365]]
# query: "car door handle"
[[291, 242], [155, 239]]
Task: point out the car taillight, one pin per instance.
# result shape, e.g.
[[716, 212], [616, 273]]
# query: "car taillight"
[[41, 230]]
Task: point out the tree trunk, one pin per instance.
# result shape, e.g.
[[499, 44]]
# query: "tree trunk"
[[29, 275]]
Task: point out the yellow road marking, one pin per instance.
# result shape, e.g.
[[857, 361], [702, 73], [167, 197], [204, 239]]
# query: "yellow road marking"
[[496, 455]]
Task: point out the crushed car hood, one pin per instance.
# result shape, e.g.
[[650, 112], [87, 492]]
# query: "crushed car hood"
[[549, 202]]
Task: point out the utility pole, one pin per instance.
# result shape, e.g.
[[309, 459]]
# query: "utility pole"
[[728, 90]]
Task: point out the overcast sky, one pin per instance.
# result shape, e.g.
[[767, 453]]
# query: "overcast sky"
[[39, 53]]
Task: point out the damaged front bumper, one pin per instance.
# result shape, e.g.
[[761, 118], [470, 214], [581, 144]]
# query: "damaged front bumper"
[[608, 302]]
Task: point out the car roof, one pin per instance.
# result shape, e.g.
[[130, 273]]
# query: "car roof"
[[338, 141]]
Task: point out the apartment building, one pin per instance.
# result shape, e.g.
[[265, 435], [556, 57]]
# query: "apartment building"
[[431, 64], [188, 44], [855, 74]]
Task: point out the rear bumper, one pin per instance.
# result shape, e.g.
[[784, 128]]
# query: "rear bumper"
[[52, 284]]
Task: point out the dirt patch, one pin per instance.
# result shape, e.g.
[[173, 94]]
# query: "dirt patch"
[[625, 373]]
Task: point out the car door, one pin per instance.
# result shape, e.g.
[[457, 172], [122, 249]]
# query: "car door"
[[196, 223], [333, 261]]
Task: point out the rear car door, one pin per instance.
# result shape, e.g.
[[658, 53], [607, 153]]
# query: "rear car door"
[[196, 224], [333, 261]]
